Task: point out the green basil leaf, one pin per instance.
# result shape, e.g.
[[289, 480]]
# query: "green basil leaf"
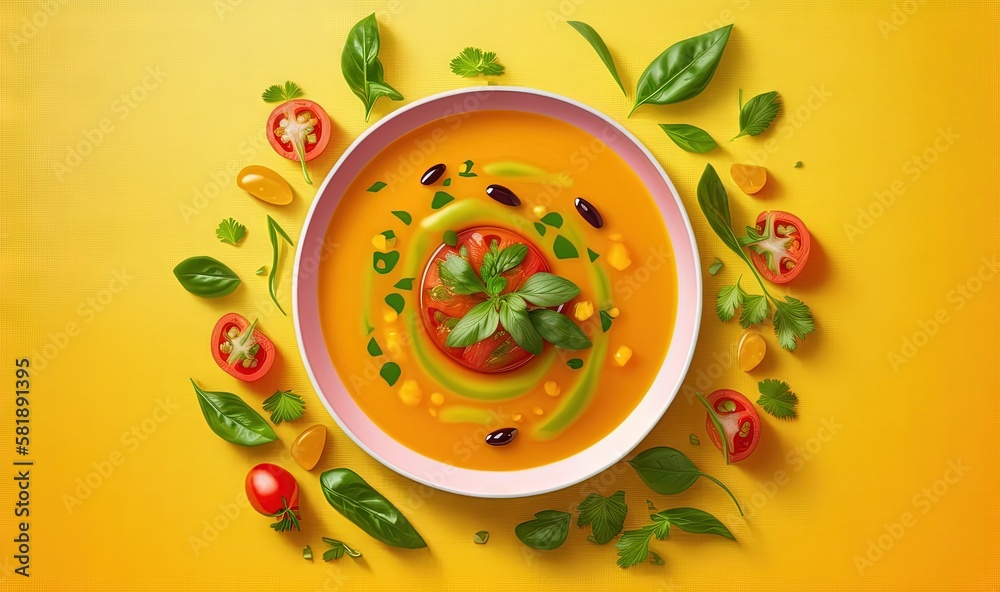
[[599, 46], [477, 324], [273, 230], [689, 137], [558, 329], [758, 113], [546, 532], [510, 257], [361, 67], [514, 318], [714, 202], [353, 497], [495, 285], [696, 521], [546, 289], [633, 547], [457, 274], [668, 471], [605, 515], [233, 420], [337, 550], [206, 277], [683, 70]]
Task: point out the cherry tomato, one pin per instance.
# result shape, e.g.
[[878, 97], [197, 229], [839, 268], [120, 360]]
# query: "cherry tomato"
[[440, 309], [240, 349], [299, 130], [739, 420], [781, 248], [273, 492]]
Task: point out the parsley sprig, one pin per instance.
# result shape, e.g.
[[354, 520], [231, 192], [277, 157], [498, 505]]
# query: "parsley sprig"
[[529, 326], [777, 398], [277, 93], [792, 318], [230, 231], [473, 62], [284, 406], [633, 546]]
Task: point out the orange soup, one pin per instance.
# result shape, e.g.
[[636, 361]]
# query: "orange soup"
[[508, 311]]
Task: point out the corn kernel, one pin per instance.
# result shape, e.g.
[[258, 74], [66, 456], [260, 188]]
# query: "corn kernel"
[[517, 417], [622, 355], [613, 312], [751, 350], [618, 257], [552, 388], [433, 412], [538, 411], [390, 315], [539, 211], [383, 244], [437, 398], [410, 393], [583, 310]]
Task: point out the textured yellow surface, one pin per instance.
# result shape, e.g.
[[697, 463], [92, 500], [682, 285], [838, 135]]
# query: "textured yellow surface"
[[150, 108]]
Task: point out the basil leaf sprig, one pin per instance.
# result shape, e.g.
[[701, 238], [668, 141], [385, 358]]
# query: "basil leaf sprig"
[[600, 47], [633, 546], [546, 532], [358, 501], [206, 277], [529, 327], [232, 419], [668, 471], [683, 70], [361, 67], [273, 231], [605, 515], [758, 113], [792, 318]]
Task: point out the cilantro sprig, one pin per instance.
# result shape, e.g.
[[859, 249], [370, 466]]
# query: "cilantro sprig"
[[633, 546], [473, 62], [277, 93], [777, 398], [529, 327], [230, 231], [792, 319], [284, 406]]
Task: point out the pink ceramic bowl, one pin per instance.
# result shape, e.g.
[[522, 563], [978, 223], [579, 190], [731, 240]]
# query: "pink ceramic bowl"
[[433, 473]]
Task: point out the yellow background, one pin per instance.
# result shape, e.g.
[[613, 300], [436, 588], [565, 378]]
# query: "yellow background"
[[867, 88]]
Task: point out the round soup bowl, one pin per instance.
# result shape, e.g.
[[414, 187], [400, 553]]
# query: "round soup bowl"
[[433, 473]]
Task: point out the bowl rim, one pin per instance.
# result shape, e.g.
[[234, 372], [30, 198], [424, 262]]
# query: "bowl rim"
[[637, 437]]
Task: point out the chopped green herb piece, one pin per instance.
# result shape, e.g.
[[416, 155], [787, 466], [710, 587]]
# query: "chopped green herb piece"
[[553, 219], [404, 284], [388, 234], [474, 62], [396, 302], [284, 406], [261, 270], [467, 169], [404, 216], [376, 187], [481, 537], [798, 164], [373, 348], [230, 231], [650, 506], [273, 231], [593, 256], [447, 182], [451, 238], [591, 538], [575, 363], [277, 93], [390, 372], [605, 515], [715, 266], [307, 553], [540, 228], [385, 262], [655, 558], [694, 440], [564, 249], [777, 399], [440, 200], [337, 550], [606, 320], [758, 113]]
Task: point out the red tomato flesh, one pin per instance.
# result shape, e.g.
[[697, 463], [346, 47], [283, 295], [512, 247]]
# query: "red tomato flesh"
[[291, 111], [739, 420], [261, 359], [272, 491], [786, 249], [440, 309]]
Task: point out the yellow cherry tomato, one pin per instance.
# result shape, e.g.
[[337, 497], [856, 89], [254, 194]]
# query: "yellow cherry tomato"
[[748, 177], [265, 185], [308, 446], [751, 350]]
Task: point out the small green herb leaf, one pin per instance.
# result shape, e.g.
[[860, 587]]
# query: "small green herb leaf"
[[633, 547], [546, 289], [695, 521], [758, 113], [558, 329], [473, 62], [599, 46], [459, 277], [477, 324], [564, 249], [510, 257], [447, 182], [575, 363], [730, 298], [404, 284], [285, 406], [261, 270], [694, 440], [441, 199], [307, 553], [605, 515], [277, 93], [361, 67], [495, 285], [798, 164], [777, 399], [273, 230], [606, 321], [689, 137], [373, 348], [390, 372], [515, 319], [546, 532], [655, 558], [385, 262], [553, 219], [450, 238], [593, 256], [467, 169], [232, 419], [792, 320], [337, 550], [715, 266], [540, 228], [376, 187], [405, 217], [755, 310], [230, 231], [481, 537]]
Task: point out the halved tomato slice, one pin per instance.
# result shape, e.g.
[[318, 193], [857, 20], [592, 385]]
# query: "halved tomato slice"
[[739, 420], [299, 130], [240, 349], [779, 245]]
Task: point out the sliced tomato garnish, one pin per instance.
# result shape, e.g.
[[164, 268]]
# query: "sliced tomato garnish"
[[240, 349], [299, 130], [441, 309], [779, 245], [739, 420]]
